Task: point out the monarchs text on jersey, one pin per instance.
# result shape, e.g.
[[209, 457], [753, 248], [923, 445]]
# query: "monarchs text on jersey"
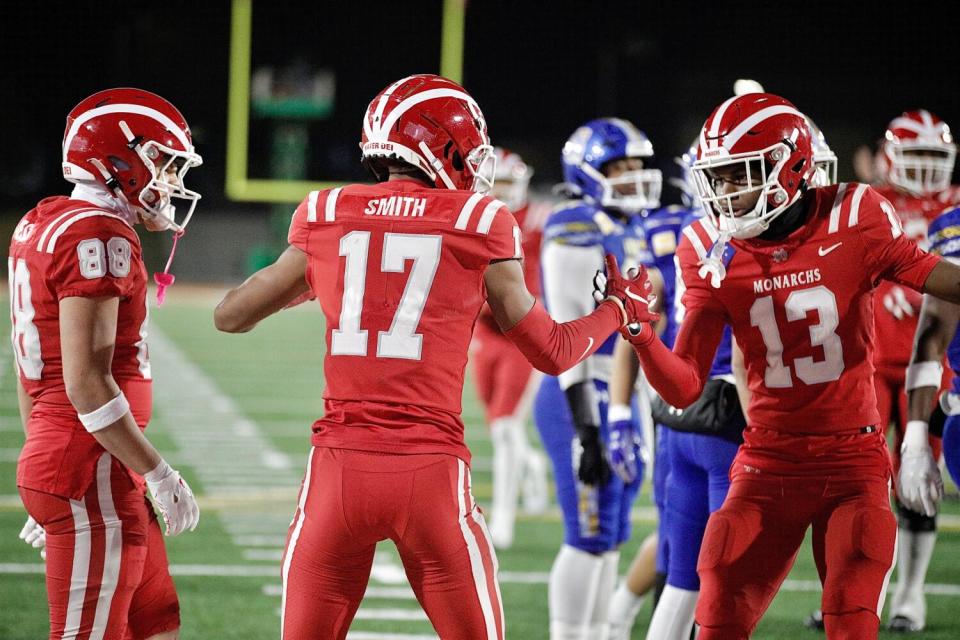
[[398, 269], [72, 248], [801, 307]]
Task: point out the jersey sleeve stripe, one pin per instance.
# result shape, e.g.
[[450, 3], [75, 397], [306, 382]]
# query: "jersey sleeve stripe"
[[695, 241], [312, 206], [835, 211], [464, 218], [486, 218], [329, 211], [854, 217], [895, 228], [62, 229], [53, 225]]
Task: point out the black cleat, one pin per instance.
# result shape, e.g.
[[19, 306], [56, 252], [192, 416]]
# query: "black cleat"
[[814, 621]]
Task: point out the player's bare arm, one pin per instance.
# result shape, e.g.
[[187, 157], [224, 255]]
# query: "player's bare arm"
[[266, 292], [88, 329], [944, 282], [935, 330], [507, 293]]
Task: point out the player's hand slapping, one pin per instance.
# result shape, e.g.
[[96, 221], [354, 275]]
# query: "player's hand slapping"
[[625, 443], [633, 292], [919, 485], [173, 497]]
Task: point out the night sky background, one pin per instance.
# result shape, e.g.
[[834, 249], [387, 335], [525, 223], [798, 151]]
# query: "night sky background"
[[538, 69]]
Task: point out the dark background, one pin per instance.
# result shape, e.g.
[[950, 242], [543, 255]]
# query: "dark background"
[[538, 69]]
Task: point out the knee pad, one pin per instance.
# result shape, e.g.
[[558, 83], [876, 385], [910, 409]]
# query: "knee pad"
[[727, 536], [915, 521], [875, 534]]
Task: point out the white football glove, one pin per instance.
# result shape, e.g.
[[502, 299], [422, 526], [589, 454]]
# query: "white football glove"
[[919, 485], [173, 497], [34, 535]]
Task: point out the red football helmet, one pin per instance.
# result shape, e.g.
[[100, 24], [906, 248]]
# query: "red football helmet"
[[919, 152], [771, 139], [137, 146], [434, 125]]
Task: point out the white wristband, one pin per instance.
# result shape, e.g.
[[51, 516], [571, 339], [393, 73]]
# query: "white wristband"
[[618, 412], [923, 374], [106, 415]]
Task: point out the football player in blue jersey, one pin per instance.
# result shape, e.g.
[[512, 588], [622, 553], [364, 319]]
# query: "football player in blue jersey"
[[598, 473], [919, 485], [694, 447]]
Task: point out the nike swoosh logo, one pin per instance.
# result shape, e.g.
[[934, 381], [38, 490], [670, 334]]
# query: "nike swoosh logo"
[[824, 252], [587, 350]]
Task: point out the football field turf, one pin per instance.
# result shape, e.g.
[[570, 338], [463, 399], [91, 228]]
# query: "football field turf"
[[233, 414]]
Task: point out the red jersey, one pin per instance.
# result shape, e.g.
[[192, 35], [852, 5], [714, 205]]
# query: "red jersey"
[[72, 248], [895, 334], [398, 269], [530, 218], [801, 308]]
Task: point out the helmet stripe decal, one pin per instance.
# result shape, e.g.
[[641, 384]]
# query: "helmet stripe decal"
[[125, 108], [911, 125], [383, 104], [741, 129], [412, 101], [925, 115], [714, 126]]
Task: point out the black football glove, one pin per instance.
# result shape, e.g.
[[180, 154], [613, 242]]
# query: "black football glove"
[[592, 468]]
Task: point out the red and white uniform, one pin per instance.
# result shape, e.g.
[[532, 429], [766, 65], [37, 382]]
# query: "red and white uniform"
[[502, 374], [106, 566], [801, 308], [398, 270], [895, 325]]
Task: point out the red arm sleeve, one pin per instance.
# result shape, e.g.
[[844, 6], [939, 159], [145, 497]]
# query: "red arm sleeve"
[[553, 347], [679, 375]]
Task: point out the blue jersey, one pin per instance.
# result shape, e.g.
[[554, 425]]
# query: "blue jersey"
[[576, 236], [943, 236], [661, 231], [722, 361]]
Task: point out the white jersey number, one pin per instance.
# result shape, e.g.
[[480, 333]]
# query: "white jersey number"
[[401, 341], [24, 334], [823, 334], [96, 260]]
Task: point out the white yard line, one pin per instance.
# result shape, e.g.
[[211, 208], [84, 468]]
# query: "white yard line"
[[227, 450]]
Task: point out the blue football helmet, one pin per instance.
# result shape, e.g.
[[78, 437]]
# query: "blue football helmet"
[[599, 142]]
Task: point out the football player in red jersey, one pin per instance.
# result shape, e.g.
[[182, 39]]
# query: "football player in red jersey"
[[918, 154], [504, 379], [401, 270], [78, 290], [791, 268]]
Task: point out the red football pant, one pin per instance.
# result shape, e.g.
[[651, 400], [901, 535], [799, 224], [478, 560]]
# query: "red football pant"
[[751, 542], [349, 501], [502, 376], [892, 403], [107, 572]]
